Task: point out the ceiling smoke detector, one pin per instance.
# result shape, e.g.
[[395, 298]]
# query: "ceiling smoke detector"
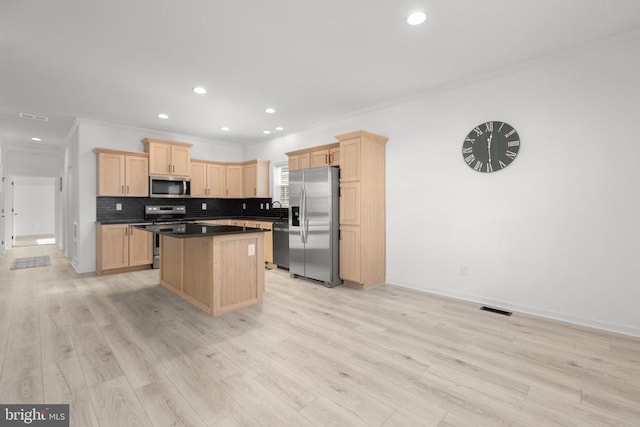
[[33, 117]]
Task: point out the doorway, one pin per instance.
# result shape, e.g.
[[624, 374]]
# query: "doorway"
[[33, 211]]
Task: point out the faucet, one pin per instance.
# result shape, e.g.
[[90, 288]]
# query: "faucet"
[[280, 211]]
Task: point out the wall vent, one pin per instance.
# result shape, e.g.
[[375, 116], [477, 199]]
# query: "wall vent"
[[495, 310], [33, 117]]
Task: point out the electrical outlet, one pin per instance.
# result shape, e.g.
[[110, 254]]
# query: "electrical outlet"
[[204, 206], [261, 206], [244, 206], [267, 205], [118, 206]]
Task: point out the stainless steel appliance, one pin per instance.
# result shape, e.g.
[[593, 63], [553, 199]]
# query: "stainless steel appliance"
[[281, 244], [165, 218], [314, 224], [169, 186]]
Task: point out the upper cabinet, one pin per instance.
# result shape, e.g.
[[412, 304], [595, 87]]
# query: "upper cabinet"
[[122, 173], [255, 179], [168, 157], [299, 161], [230, 180], [234, 186], [217, 179], [208, 179], [326, 156], [322, 155]]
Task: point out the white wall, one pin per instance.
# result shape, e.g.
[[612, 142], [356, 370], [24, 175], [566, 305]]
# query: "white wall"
[[2, 205], [557, 232], [34, 204], [25, 163], [82, 179], [71, 198]]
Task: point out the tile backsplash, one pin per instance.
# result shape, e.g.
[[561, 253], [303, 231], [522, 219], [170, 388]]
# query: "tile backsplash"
[[133, 208]]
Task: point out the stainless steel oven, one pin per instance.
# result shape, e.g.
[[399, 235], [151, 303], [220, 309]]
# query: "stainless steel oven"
[[164, 218]]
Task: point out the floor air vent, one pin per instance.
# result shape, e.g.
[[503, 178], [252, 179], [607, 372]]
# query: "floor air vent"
[[496, 310]]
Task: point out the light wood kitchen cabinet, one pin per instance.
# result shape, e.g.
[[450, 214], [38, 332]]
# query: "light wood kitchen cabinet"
[[350, 203], [198, 179], [208, 179], [362, 209], [321, 155], [268, 237], [234, 187], [255, 179], [217, 179], [350, 254], [300, 161], [122, 173], [325, 157], [334, 156], [265, 225], [140, 247], [120, 247], [168, 158]]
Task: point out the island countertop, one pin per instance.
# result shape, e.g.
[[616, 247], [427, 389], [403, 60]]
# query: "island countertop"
[[184, 230]]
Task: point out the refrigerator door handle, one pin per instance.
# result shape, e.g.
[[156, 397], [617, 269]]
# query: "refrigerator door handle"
[[302, 215]]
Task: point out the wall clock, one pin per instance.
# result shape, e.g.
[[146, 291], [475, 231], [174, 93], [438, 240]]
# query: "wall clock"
[[491, 146]]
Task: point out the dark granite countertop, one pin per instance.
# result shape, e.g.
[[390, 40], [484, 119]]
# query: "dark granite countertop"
[[248, 218], [197, 230], [123, 221]]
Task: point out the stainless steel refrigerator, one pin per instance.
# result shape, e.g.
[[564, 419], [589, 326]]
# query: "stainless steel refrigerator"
[[314, 224]]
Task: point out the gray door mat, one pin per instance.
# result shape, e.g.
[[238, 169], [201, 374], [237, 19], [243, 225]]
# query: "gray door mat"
[[30, 262]]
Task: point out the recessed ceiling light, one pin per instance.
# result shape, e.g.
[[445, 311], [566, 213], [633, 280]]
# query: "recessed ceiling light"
[[279, 128], [199, 90], [224, 128], [266, 132], [163, 116], [269, 110], [36, 139], [416, 18]]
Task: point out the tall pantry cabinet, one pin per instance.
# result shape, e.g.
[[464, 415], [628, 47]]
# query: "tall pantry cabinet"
[[362, 209]]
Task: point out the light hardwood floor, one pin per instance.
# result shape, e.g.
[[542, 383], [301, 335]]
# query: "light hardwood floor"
[[121, 350]]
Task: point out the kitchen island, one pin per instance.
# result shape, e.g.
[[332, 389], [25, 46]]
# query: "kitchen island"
[[217, 268]]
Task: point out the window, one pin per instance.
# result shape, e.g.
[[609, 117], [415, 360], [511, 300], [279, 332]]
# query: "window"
[[281, 183]]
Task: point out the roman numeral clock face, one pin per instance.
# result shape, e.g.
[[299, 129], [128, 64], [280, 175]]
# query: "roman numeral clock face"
[[491, 147]]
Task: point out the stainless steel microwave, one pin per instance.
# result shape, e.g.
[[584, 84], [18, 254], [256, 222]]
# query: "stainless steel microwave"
[[169, 186]]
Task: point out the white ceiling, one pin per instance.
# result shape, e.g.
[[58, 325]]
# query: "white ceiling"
[[124, 61]]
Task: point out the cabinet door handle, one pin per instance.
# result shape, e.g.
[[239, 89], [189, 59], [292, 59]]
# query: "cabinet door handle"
[[174, 168], [330, 158], [127, 189], [326, 159], [254, 192], [122, 189], [168, 168]]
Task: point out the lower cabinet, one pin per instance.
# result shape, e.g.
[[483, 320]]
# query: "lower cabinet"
[[265, 225], [268, 238], [350, 248], [120, 247]]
